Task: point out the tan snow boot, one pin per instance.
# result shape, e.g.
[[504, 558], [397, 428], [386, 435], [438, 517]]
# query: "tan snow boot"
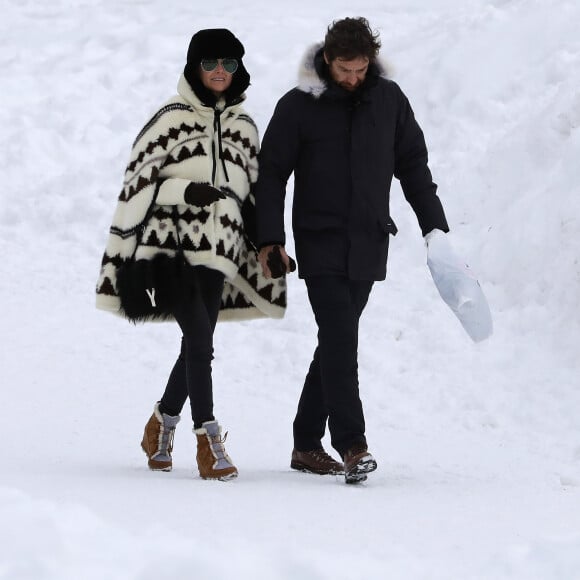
[[158, 440], [212, 460]]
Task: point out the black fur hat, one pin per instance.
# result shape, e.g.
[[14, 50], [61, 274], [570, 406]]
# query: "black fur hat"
[[215, 43]]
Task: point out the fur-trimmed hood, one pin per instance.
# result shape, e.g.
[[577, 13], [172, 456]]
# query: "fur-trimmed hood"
[[189, 94], [309, 72]]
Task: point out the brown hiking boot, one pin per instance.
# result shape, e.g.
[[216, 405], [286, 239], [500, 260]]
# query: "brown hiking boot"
[[315, 461], [158, 440], [357, 463], [212, 460]]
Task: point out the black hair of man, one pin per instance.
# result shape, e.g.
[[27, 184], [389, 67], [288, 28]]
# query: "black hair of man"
[[351, 38]]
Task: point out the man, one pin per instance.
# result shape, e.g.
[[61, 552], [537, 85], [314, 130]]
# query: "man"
[[345, 131]]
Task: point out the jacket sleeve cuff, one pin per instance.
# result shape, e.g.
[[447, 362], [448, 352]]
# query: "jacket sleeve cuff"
[[265, 244]]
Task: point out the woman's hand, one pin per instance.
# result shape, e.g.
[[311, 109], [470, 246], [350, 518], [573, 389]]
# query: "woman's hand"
[[201, 194]]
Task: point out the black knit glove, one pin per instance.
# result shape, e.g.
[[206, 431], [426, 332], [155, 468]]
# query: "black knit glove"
[[201, 194], [276, 263]]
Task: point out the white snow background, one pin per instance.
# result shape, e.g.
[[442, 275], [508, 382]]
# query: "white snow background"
[[478, 445]]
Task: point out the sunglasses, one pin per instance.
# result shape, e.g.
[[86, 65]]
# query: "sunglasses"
[[230, 65]]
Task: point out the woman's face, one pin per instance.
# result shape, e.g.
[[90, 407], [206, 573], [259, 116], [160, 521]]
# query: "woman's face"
[[217, 80]]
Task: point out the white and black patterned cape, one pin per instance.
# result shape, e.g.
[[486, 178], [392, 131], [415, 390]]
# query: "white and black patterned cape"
[[180, 145]]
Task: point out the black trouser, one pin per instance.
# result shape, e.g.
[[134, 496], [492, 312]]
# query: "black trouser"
[[331, 386], [196, 315]]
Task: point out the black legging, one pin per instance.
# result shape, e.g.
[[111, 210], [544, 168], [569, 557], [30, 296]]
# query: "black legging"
[[196, 315]]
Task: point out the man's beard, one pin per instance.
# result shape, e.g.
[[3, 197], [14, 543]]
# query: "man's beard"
[[350, 88]]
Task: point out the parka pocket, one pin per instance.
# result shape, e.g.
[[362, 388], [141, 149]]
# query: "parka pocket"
[[388, 226]]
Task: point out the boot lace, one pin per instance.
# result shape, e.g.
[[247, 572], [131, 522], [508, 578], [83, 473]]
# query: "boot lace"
[[217, 446], [321, 456], [165, 441]]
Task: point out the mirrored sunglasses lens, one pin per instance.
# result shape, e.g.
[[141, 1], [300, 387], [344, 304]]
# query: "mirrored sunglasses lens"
[[209, 64], [230, 65]]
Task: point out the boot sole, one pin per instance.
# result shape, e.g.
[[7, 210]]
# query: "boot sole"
[[359, 472], [357, 478], [227, 477], [305, 469], [152, 468]]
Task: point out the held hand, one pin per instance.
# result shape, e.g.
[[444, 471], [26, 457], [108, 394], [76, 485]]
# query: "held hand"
[[275, 261], [201, 194], [436, 235]]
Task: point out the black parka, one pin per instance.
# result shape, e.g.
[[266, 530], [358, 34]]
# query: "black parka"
[[344, 149]]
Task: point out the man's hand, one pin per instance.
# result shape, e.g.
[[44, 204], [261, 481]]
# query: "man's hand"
[[275, 261]]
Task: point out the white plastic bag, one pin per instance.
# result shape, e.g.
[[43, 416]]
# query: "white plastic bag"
[[458, 287]]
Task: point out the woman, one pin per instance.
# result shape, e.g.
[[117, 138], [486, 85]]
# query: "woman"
[[186, 187]]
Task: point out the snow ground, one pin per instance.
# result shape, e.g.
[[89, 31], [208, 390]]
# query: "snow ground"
[[478, 445]]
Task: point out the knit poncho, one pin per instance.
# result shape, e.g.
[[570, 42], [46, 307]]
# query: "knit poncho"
[[185, 142]]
